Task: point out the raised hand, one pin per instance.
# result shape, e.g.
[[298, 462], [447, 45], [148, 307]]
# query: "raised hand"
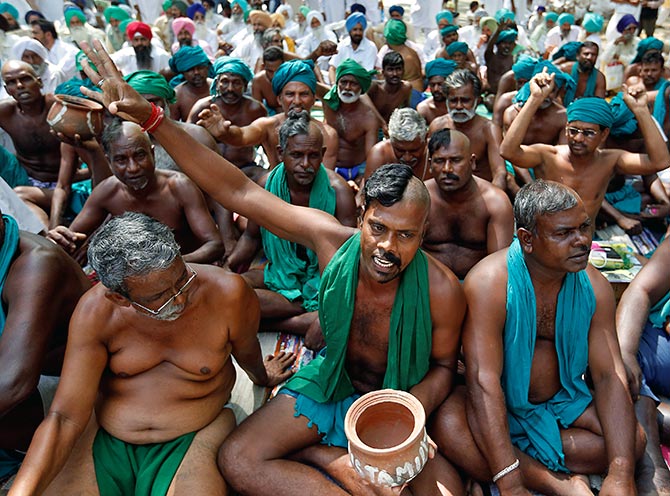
[[542, 84], [635, 95], [212, 119]]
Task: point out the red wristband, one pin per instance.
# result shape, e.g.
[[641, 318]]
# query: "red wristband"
[[154, 120]]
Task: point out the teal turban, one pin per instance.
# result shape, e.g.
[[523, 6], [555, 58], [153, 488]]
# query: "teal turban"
[[352, 68], [10, 9], [395, 32], [298, 70], [448, 30], [457, 46], [82, 56], [624, 122], [569, 51], [304, 10], [232, 65], [188, 57], [561, 79], [550, 16], [72, 87], [440, 67], [565, 17], [504, 15], [646, 45], [507, 35], [444, 15], [592, 110], [115, 13], [180, 5], [593, 23], [524, 66], [74, 12], [151, 83]]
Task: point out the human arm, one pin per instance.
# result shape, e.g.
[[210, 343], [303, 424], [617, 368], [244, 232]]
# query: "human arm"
[[245, 249], [224, 131], [500, 228], [601, 88], [61, 194], [332, 143], [496, 162], [345, 208], [628, 224]]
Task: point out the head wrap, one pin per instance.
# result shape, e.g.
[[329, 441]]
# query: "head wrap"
[[74, 12], [33, 13], [451, 28], [304, 10], [356, 7], [243, 5], [561, 79], [315, 14], [279, 19], [115, 13], [507, 35], [180, 5], [568, 50], [196, 7], [457, 46], [592, 110], [298, 70], [565, 17], [592, 23], [136, 27], [232, 65], [550, 17], [166, 5], [262, 17], [440, 67], [541, 8], [24, 44], [123, 26], [624, 121], [181, 23], [396, 8], [285, 8], [10, 9], [626, 21], [352, 68], [151, 83], [489, 22], [524, 66], [71, 87], [445, 14], [645, 46], [504, 15], [82, 56], [356, 18], [395, 32], [187, 58]]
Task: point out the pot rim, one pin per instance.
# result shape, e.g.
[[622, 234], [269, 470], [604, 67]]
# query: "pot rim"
[[76, 101]]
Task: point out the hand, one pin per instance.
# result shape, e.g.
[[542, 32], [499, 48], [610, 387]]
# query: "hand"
[[633, 374], [314, 336], [631, 226], [89, 144], [541, 85], [66, 238], [635, 96], [278, 367], [618, 486], [326, 48], [212, 120], [116, 95]]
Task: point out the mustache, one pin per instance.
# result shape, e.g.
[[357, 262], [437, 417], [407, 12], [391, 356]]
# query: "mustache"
[[451, 175], [390, 257]]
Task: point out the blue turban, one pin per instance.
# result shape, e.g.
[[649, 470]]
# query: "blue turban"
[[445, 14], [356, 18], [188, 57], [524, 66], [626, 21], [196, 7], [231, 65], [565, 17], [451, 28], [355, 7], [593, 23], [550, 16], [457, 46], [561, 79], [646, 45], [504, 15], [10, 9], [624, 122], [591, 109], [398, 9], [298, 70], [569, 51], [440, 67], [507, 35], [33, 13]]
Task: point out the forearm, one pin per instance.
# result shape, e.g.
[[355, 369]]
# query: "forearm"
[[251, 362], [243, 253], [631, 318], [653, 140], [510, 148], [209, 252], [434, 388], [58, 202]]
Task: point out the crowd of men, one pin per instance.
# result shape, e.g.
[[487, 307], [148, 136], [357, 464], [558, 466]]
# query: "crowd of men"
[[413, 191]]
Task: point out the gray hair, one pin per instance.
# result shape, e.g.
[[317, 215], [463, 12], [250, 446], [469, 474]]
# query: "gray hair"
[[131, 245], [267, 36], [541, 198], [460, 78], [407, 124], [296, 123], [114, 130]]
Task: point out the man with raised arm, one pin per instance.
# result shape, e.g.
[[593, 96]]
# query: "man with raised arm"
[[369, 275], [581, 164]]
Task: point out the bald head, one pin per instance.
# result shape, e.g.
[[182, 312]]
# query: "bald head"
[[17, 66], [392, 183], [119, 129], [444, 138]]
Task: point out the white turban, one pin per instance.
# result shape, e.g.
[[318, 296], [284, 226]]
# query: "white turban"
[[24, 44], [315, 14], [285, 8]]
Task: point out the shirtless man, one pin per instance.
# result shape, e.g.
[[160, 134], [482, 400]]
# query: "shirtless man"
[[395, 32], [380, 265], [500, 60], [538, 315], [294, 83], [436, 72], [469, 217], [581, 164], [137, 186], [193, 64], [651, 70], [39, 288], [146, 351], [356, 126], [463, 90], [261, 85], [590, 81], [393, 92]]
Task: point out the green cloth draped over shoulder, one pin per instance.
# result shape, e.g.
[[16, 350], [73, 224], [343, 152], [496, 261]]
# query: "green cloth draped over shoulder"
[[7, 252], [590, 82], [626, 199], [534, 428], [348, 67], [285, 272], [325, 379], [660, 102]]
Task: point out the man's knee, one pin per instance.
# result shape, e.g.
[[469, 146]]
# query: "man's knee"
[[238, 458], [449, 417]]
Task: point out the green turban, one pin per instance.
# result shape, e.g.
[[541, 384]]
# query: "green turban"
[[569, 51], [561, 80], [591, 109], [74, 12], [232, 65], [504, 15], [550, 16], [304, 10], [348, 67], [82, 56], [151, 83], [444, 15], [457, 46], [395, 32], [624, 122], [488, 22], [565, 17], [524, 66], [72, 87], [448, 30], [180, 5], [298, 70], [646, 45], [115, 13], [507, 35], [188, 57], [593, 23], [440, 67]]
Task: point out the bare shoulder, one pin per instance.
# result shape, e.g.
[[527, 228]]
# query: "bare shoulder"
[[337, 182], [251, 105], [42, 261], [494, 197], [201, 105], [220, 284], [488, 277], [443, 282], [602, 289], [178, 182]]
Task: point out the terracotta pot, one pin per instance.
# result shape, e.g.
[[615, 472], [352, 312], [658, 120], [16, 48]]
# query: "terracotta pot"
[[71, 115], [388, 445]]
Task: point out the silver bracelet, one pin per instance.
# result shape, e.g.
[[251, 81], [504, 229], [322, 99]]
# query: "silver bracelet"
[[506, 470]]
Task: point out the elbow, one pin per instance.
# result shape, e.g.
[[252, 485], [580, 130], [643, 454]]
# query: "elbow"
[[15, 389], [506, 151]]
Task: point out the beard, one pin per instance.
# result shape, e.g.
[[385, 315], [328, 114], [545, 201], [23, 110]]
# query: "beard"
[[39, 68], [171, 313], [348, 96], [237, 17], [144, 58], [462, 116], [585, 66]]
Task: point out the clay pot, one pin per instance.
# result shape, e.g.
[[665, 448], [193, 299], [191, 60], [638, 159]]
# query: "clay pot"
[[388, 445], [71, 115]]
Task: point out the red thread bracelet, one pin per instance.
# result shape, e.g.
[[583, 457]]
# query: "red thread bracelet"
[[154, 120]]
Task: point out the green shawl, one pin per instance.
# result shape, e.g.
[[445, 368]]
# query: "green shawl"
[[590, 82], [285, 272], [325, 379], [7, 251], [534, 428]]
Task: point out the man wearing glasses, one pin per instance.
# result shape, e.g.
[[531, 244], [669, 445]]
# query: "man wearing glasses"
[[145, 350], [581, 164]]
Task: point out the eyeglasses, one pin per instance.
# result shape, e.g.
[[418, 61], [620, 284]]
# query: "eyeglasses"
[[165, 305], [574, 131]]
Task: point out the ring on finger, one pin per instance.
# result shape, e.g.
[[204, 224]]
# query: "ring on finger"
[[99, 83]]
